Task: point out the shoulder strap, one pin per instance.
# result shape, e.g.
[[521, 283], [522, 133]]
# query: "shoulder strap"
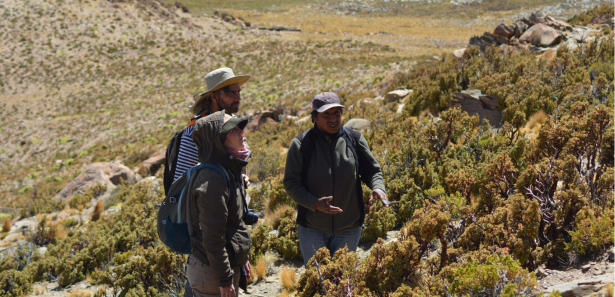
[[193, 170], [307, 147]]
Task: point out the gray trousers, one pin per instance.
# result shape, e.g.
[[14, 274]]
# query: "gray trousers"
[[202, 280]]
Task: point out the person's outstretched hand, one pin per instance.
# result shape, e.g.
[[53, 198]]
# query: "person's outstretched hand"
[[381, 195], [323, 205]]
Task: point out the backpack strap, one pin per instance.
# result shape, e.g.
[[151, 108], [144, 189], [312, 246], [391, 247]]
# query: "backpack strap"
[[193, 170], [308, 144]]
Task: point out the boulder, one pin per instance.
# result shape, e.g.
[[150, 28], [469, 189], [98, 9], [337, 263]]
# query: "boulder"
[[584, 287], [541, 35], [475, 103], [359, 125], [153, 163], [557, 24], [487, 39], [397, 95], [260, 119], [538, 17], [106, 173], [520, 28], [504, 31]]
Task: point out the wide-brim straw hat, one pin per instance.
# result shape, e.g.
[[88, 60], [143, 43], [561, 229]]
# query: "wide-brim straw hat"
[[216, 80]]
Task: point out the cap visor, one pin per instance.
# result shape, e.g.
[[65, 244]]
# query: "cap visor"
[[329, 106]]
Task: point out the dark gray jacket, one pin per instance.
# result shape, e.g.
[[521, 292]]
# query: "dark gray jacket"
[[332, 172], [223, 241]]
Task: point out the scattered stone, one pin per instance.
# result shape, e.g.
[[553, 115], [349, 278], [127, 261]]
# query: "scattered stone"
[[153, 163], [583, 287], [542, 271], [400, 108], [181, 6], [281, 28], [459, 53], [504, 31], [585, 268], [541, 35], [397, 95], [106, 173], [359, 125]]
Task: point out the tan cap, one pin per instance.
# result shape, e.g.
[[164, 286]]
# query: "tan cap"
[[216, 80]]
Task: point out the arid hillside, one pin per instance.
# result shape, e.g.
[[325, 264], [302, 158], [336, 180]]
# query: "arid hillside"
[[500, 155]]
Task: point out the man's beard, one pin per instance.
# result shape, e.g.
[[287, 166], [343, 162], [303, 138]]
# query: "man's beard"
[[230, 108]]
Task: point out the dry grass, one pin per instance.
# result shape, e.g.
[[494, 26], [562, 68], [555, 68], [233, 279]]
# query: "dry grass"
[[285, 293], [100, 207], [39, 290], [6, 225], [273, 217], [609, 289], [80, 293], [261, 268], [288, 277], [61, 231]]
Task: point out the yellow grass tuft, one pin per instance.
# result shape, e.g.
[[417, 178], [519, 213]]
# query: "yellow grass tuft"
[[288, 277], [274, 217], [61, 231], [536, 121], [39, 290], [80, 293], [6, 225], [285, 293], [100, 207], [609, 289], [261, 268]]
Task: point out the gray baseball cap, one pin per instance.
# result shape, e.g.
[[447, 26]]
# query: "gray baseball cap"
[[326, 100]]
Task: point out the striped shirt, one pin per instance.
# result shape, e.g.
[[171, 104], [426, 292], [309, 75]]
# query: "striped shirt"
[[188, 154]]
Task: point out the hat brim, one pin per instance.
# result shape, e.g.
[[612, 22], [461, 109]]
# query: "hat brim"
[[329, 106], [242, 79], [231, 124]]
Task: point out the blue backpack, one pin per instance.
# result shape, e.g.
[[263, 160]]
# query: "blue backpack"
[[172, 219]]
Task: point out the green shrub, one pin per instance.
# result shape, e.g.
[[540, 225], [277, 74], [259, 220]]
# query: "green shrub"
[[287, 240]]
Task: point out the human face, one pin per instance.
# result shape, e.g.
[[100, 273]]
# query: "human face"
[[228, 100], [235, 139], [330, 120]]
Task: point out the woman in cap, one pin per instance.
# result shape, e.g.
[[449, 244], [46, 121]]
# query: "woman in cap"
[[221, 240], [324, 169]]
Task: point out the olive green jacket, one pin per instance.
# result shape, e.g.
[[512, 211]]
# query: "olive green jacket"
[[332, 172], [220, 237]]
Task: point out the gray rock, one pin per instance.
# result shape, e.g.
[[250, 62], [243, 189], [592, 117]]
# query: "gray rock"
[[459, 53], [358, 125], [583, 287], [106, 173], [538, 17], [520, 28], [504, 31], [487, 39], [541, 35], [474, 103], [397, 95], [611, 254]]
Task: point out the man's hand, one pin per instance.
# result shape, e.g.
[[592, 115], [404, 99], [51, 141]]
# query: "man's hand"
[[248, 268], [246, 179], [322, 205], [381, 195], [228, 291]]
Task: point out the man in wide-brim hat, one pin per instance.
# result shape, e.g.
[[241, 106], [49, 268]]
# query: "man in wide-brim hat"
[[223, 88], [223, 93]]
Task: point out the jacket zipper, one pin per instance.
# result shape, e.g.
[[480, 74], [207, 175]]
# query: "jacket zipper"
[[332, 152]]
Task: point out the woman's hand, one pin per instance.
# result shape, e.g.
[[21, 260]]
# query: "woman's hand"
[[248, 269], [228, 291], [380, 194], [322, 205], [246, 180]]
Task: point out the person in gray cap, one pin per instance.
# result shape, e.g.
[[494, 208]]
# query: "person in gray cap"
[[324, 169]]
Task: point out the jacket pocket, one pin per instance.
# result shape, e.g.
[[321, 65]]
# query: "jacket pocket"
[[240, 242]]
